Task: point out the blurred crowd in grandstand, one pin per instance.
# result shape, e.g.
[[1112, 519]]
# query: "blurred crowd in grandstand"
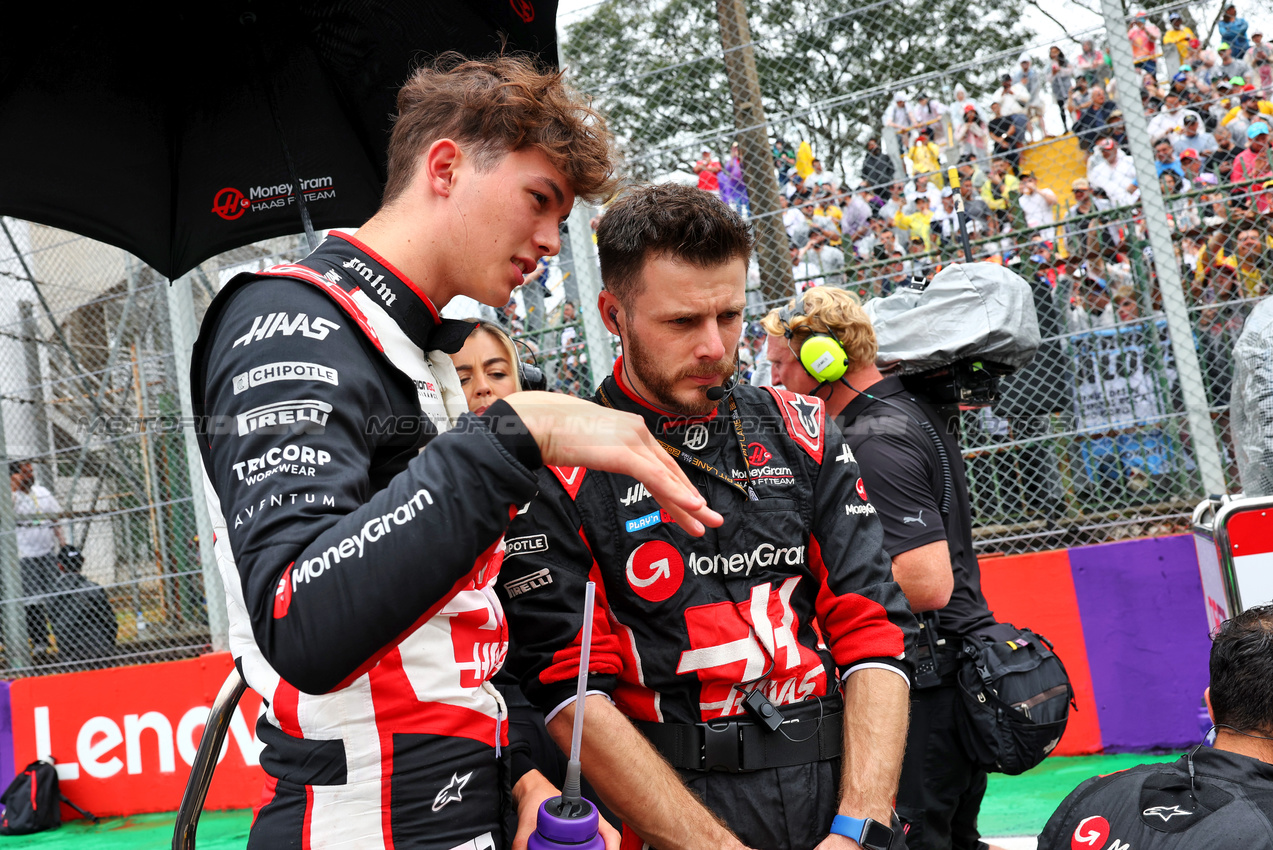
[[1209, 115], [1029, 201]]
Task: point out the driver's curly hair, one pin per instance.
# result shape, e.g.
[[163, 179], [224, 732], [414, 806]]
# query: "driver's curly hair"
[[496, 105]]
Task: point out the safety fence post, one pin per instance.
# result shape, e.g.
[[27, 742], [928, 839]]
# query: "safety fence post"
[[1206, 449]]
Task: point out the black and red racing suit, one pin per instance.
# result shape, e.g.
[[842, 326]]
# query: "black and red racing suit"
[[792, 593]]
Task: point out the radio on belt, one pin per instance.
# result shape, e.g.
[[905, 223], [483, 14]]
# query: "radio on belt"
[[762, 710]]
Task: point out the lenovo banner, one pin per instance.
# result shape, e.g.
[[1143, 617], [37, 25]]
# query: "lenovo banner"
[[123, 739]]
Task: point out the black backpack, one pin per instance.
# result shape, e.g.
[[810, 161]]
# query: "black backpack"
[[31, 801], [1016, 697]]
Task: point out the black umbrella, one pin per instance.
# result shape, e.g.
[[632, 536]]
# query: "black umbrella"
[[177, 131]]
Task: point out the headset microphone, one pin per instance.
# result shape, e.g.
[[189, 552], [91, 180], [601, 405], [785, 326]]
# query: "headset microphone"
[[718, 393]]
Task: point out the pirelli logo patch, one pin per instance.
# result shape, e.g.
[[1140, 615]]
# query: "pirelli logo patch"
[[525, 584]]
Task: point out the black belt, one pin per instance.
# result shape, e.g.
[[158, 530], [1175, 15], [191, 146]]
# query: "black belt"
[[736, 746], [948, 659]]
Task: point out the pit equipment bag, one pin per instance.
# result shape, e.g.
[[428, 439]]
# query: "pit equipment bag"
[[1016, 698], [31, 801]]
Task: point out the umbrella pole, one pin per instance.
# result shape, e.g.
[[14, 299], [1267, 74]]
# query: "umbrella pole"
[[306, 222], [298, 189]]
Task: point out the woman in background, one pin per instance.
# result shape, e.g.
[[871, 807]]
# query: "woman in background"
[[487, 366]]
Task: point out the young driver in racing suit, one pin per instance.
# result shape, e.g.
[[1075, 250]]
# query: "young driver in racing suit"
[[358, 568], [728, 654]]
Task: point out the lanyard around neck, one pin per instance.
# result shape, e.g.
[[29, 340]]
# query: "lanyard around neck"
[[685, 456]]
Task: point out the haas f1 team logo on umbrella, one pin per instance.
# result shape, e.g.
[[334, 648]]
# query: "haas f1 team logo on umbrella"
[[229, 203], [655, 570], [523, 9]]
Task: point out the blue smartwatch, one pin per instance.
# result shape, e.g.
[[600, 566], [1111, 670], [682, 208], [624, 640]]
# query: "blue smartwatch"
[[866, 832]]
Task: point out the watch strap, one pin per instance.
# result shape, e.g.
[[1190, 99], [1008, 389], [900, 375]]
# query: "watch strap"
[[861, 830], [849, 827]]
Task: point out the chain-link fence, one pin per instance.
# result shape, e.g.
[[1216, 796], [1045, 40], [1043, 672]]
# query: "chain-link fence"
[[103, 530], [1141, 226], [1102, 152]]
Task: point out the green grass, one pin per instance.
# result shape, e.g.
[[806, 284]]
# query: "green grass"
[[1021, 805], [1014, 805], [217, 831]]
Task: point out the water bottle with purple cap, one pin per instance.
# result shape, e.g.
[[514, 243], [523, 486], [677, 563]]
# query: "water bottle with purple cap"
[[569, 822]]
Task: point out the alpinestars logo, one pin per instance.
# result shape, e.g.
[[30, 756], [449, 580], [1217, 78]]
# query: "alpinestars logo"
[[306, 415], [636, 493], [806, 411], [374, 280], [1166, 812], [350, 547], [452, 792], [264, 327]]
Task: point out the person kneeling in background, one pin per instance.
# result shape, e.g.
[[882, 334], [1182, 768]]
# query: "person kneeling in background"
[[1209, 797]]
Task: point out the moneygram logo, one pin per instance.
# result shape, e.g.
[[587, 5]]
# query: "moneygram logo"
[[764, 555], [349, 548], [230, 204], [655, 570]]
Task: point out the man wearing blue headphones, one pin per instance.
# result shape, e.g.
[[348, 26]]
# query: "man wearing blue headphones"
[[822, 344]]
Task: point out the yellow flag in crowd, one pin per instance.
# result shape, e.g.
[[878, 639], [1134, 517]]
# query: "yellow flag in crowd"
[[804, 160]]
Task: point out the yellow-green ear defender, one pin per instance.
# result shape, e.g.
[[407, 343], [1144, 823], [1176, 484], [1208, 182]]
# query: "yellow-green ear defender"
[[821, 355]]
